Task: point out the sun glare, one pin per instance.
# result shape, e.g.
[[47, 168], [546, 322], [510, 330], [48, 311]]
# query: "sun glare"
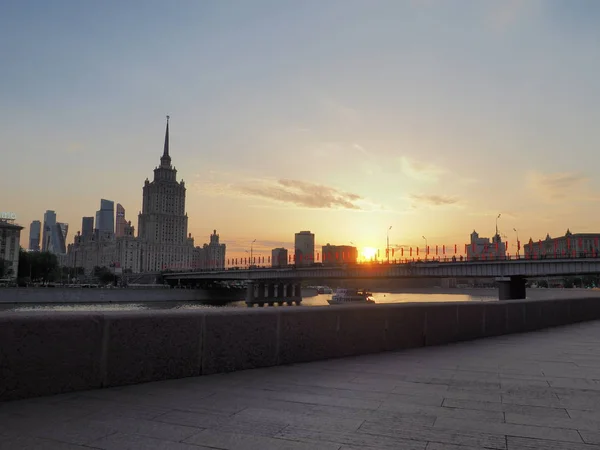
[[368, 253]]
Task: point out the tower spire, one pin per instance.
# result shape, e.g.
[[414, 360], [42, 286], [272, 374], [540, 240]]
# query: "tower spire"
[[165, 160]]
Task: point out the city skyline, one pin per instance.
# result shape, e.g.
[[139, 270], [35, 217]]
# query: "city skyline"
[[341, 118]]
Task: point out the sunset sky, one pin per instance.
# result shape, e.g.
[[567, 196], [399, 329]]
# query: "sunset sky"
[[342, 117]]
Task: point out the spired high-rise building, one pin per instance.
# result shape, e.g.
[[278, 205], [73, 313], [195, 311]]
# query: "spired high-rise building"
[[163, 222]]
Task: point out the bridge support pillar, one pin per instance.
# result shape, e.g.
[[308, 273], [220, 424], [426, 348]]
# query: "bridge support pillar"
[[511, 288], [297, 293], [250, 294], [271, 293]]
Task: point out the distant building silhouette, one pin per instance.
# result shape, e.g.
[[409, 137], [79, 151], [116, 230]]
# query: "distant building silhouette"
[[120, 223], [211, 255], [332, 255], [52, 234], [279, 257], [304, 248], [105, 217], [10, 235], [87, 227], [35, 230], [482, 248]]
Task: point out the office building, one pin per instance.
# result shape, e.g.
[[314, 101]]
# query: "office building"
[[35, 230], [128, 250], [87, 227], [332, 255], [120, 223], [163, 222], [105, 217], [304, 248], [10, 236], [279, 257]]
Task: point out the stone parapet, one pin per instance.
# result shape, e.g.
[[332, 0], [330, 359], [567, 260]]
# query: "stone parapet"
[[44, 353]]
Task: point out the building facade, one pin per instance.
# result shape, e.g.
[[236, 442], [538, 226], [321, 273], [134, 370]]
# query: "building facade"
[[120, 222], [35, 230], [128, 250], [481, 248], [304, 248], [568, 246], [163, 222], [332, 255], [105, 216], [10, 236], [62, 231], [279, 257]]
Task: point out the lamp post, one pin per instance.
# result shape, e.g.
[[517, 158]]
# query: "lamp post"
[[387, 251], [517, 233], [425, 246], [251, 251], [497, 223]]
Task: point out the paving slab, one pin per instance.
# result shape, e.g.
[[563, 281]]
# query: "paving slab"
[[529, 391]]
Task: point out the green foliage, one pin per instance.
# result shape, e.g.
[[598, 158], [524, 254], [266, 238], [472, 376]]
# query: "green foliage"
[[104, 274], [38, 266]]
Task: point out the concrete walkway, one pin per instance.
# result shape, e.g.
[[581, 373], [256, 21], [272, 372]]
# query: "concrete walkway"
[[529, 391]]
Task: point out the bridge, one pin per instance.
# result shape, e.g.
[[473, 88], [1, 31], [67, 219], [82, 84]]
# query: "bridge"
[[509, 274]]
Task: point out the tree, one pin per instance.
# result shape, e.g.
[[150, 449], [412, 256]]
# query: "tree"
[[3, 268], [42, 266]]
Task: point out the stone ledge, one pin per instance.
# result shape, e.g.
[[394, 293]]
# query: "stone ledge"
[[44, 353]]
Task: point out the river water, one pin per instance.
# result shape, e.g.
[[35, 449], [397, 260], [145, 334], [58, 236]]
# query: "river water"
[[415, 295]]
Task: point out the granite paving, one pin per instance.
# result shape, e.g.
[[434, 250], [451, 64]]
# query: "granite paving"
[[538, 390]]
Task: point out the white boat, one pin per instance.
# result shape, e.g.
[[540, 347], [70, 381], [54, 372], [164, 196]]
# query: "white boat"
[[350, 296]]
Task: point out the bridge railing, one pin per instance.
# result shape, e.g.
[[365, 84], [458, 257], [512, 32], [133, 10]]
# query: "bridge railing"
[[403, 261]]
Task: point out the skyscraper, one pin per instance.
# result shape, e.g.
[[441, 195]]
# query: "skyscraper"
[[87, 227], [34, 235], [211, 256], [62, 229], [49, 231], [121, 223], [162, 223], [105, 217]]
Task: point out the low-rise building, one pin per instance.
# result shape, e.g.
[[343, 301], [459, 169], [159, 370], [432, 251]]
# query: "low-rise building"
[[210, 256], [10, 237], [569, 246]]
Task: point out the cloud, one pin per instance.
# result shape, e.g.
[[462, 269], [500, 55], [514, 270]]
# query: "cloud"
[[556, 186], [419, 170], [284, 191], [433, 200]]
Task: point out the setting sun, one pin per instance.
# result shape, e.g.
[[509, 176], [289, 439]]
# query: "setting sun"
[[368, 253]]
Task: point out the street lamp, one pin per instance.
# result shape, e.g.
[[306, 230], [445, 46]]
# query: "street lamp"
[[425, 245], [388, 244], [251, 250], [497, 223], [515, 230]]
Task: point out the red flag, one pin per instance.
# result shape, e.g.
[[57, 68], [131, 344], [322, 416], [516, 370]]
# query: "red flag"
[[569, 243], [595, 243], [410, 254], [518, 245], [317, 256], [417, 251], [580, 243], [455, 249], [444, 249], [436, 249], [392, 253], [427, 250], [402, 252]]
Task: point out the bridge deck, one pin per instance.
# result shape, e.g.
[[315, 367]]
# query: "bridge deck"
[[530, 391]]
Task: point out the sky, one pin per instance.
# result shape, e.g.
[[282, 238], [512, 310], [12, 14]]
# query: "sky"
[[342, 117]]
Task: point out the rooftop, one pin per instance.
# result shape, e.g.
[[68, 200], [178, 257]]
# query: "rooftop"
[[530, 391]]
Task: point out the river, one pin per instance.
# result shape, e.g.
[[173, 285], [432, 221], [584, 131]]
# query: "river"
[[406, 296]]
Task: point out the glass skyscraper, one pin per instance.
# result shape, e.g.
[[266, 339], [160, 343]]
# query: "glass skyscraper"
[[105, 217]]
